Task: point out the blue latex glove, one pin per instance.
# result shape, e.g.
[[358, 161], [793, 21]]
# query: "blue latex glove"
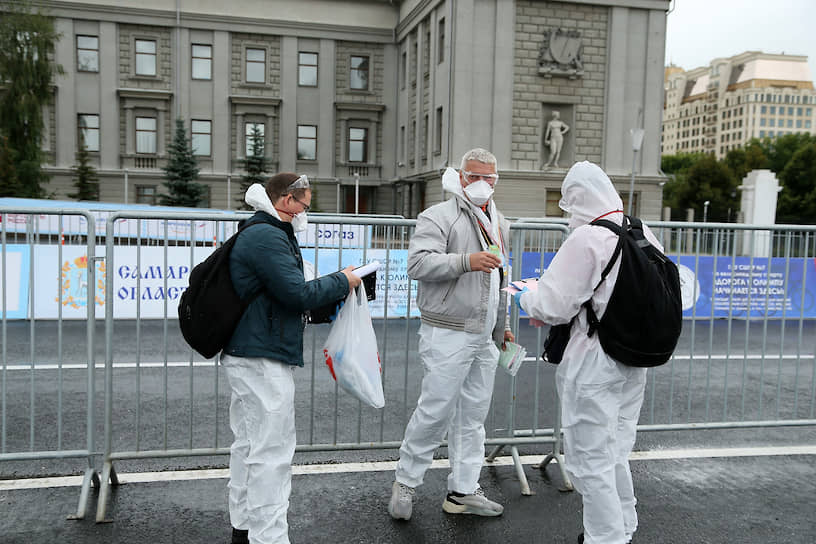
[[336, 311], [517, 297]]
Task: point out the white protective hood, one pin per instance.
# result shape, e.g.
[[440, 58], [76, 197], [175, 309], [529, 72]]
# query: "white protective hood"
[[257, 198], [588, 193]]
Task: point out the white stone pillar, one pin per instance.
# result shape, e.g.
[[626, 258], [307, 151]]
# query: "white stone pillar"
[[758, 207]]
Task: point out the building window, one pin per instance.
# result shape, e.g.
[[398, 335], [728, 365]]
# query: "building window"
[[762, 121], [358, 75], [145, 57], [552, 209], [202, 61], [798, 111], [807, 123], [249, 132], [87, 54], [772, 122], [790, 123], [402, 146], [440, 41], [146, 135], [255, 65], [146, 194], [307, 142], [307, 69], [358, 145], [89, 132], [201, 137], [773, 110], [798, 123], [403, 69], [763, 109], [438, 131], [425, 141]]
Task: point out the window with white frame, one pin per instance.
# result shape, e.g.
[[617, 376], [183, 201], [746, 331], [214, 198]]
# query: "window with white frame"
[[201, 61], [87, 53], [255, 65], [359, 73], [89, 131], [201, 137], [306, 142], [307, 69], [250, 129], [145, 57], [146, 135], [357, 144]]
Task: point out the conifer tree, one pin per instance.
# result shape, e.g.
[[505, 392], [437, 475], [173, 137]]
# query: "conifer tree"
[[181, 172], [256, 164], [85, 179]]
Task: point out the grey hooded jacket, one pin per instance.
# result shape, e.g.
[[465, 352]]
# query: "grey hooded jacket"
[[450, 295]]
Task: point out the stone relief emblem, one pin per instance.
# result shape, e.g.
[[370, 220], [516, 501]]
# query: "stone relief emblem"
[[560, 54]]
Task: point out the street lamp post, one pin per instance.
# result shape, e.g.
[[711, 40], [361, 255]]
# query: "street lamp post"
[[705, 210], [637, 141]]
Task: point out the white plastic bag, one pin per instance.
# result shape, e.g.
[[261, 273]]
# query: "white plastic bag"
[[351, 351]]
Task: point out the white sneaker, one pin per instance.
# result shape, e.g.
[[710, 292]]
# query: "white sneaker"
[[402, 501], [477, 503]]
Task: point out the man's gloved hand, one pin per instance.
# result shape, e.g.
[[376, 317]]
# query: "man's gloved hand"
[[517, 297], [336, 311]]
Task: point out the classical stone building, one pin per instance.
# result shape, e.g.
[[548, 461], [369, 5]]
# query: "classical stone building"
[[368, 97], [719, 107]]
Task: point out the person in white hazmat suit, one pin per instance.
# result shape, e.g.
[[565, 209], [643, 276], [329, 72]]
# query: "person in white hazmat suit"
[[458, 253], [264, 350], [600, 397]]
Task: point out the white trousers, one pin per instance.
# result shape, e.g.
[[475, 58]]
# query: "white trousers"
[[455, 396], [262, 418], [600, 423]]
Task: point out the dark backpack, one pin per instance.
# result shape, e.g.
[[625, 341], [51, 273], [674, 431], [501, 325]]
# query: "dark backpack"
[[209, 310], [644, 317]]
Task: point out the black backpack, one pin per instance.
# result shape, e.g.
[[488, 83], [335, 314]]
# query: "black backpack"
[[644, 317], [209, 310]]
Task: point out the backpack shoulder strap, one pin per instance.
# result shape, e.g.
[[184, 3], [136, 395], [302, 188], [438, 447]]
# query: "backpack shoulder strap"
[[592, 318], [619, 230]]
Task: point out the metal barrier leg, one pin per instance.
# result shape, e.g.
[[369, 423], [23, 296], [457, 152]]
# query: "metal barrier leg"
[[525, 485], [90, 478], [495, 453], [108, 479], [558, 457]]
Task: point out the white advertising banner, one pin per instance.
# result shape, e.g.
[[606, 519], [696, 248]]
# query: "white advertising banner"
[[147, 286]]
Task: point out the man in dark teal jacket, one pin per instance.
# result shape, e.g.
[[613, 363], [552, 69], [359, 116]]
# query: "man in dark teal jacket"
[[264, 350]]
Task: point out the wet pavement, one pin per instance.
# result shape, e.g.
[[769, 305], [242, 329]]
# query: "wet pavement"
[[746, 498]]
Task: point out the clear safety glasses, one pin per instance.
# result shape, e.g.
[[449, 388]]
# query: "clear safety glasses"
[[472, 177], [300, 183]]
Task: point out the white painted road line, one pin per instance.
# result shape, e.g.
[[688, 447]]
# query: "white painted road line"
[[211, 363], [387, 466]]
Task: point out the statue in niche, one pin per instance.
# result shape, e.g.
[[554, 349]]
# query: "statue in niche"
[[554, 137]]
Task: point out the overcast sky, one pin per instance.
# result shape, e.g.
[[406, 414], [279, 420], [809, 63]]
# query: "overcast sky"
[[701, 30]]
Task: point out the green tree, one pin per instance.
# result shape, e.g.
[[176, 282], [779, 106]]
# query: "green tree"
[[9, 183], [797, 200], [676, 168], [255, 165], [181, 172], [742, 160], [85, 179], [781, 149], [27, 72], [708, 179]]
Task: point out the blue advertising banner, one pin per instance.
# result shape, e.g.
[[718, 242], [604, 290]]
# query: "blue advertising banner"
[[740, 287]]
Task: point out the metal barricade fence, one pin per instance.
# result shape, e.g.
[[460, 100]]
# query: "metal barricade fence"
[[48, 281], [744, 354]]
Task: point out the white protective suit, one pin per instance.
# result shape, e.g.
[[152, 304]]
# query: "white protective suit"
[[262, 419], [600, 398], [460, 368]]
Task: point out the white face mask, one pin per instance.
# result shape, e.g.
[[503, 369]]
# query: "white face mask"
[[299, 222], [479, 192]]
